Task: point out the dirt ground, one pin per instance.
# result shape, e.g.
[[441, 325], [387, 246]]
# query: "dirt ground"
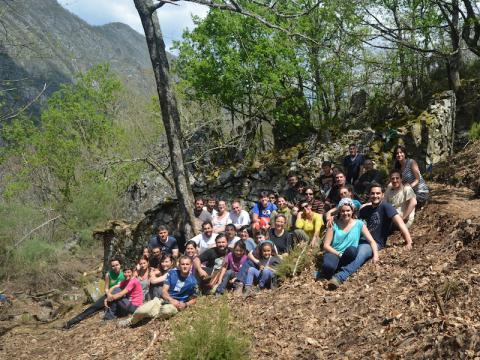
[[422, 303]]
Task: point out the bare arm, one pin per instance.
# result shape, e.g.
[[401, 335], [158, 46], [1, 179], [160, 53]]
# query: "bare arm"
[[175, 253], [166, 296], [327, 245], [119, 295], [158, 279], [198, 267], [412, 202], [372, 242], [398, 221], [416, 173]]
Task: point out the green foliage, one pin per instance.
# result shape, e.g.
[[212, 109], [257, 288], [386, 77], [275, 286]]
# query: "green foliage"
[[208, 334], [287, 266], [474, 132]]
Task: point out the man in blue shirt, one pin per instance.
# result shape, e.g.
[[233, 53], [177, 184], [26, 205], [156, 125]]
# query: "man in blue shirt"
[[261, 211], [167, 244], [379, 217], [180, 288]]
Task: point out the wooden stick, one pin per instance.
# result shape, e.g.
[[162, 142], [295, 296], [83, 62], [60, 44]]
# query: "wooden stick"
[[33, 230], [145, 351], [439, 302]]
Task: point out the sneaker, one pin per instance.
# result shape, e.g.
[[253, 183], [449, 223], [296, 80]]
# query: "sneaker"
[[333, 283], [124, 323], [238, 290], [109, 315], [248, 291]]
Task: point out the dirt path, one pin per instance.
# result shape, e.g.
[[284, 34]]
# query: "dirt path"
[[418, 304]]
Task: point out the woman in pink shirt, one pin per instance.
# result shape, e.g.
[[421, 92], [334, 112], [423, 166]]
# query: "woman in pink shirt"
[[124, 298]]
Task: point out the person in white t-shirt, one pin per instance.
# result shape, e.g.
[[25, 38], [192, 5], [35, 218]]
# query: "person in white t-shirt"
[[206, 239], [238, 216], [231, 234], [221, 218], [402, 197]]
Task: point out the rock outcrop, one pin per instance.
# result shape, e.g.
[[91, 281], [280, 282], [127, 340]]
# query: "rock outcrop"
[[428, 137]]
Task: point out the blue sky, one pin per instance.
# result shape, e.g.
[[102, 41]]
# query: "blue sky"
[[173, 19]]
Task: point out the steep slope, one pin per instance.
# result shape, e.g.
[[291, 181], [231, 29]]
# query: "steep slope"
[[415, 304], [41, 42]]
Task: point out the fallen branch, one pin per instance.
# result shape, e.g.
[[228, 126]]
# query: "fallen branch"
[[33, 230], [439, 302], [145, 351]]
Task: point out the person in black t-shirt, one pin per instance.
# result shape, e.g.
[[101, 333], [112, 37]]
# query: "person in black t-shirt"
[[280, 237], [210, 262], [167, 244]]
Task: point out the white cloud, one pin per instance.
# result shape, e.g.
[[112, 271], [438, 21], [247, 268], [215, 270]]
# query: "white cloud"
[[173, 19]]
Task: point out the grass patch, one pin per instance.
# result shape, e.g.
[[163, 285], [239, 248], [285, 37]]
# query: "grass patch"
[[208, 334], [286, 268]]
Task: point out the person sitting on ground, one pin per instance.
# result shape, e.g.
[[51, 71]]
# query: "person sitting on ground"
[[352, 164], [209, 263], [154, 261], [112, 278], [346, 191], [282, 208], [308, 225], [342, 239], [167, 244], [334, 194], [142, 273], [264, 269], [238, 216], [206, 239], [379, 216], [211, 205], [191, 252], [370, 175], [291, 194], [221, 218], [261, 211], [327, 179], [246, 236], [280, 237], [179, 291], [318, 206], [201, 214], [158, 276], [402, 197], [231, 266], [125, 297], [231, 234], [411, 174]]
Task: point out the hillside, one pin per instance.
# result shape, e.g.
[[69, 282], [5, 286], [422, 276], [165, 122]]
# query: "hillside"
[[41, 42], [415, 304]]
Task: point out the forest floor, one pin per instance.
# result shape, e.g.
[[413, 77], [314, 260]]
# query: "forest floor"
[[422, 303]]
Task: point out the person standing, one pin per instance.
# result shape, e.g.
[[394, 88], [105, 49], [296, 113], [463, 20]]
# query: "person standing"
[[352, 164]]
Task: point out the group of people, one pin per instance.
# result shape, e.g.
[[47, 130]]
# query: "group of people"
[[240, 249]]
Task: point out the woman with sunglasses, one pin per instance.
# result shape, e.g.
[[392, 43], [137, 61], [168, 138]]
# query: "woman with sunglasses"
[[308, 224]]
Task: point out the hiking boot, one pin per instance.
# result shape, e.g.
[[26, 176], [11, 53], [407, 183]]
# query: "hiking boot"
[[109, 315], [333, 283], [238, 290]]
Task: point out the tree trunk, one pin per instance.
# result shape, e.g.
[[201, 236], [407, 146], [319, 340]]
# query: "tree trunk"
[[169, 109]]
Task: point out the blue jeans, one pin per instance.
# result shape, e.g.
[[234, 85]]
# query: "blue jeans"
[[242, 274], [332, 262], [229, 274], [363, 254], [119, 307], [264, 277]]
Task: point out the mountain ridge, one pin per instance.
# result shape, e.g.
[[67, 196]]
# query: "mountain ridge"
[[44, 43]]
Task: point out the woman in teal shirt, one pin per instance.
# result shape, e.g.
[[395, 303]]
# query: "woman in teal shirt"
[[341, 239]]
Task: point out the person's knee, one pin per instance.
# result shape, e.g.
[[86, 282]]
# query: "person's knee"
[[351, 251]]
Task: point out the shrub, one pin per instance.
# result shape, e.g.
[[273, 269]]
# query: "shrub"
[[287, 266], [474, 133], [208, 335]]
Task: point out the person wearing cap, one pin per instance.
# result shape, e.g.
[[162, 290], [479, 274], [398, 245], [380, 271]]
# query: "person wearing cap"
[[308, 224], [341, 241]]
